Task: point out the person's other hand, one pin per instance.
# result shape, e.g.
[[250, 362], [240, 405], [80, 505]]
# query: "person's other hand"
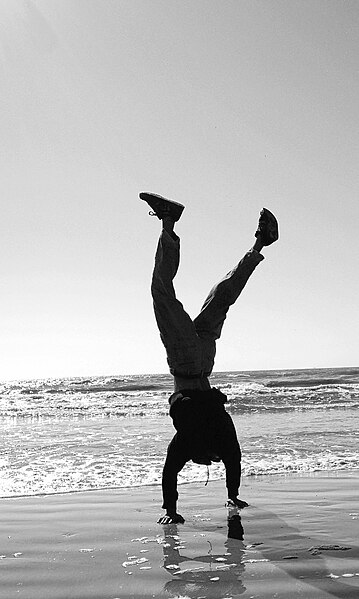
[[171, 519]]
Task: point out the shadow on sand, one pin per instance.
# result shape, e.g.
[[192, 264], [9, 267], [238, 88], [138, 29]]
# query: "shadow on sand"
[[221, 574]]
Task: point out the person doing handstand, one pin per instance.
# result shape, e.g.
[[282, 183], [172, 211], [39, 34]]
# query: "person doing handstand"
[[205, 430]]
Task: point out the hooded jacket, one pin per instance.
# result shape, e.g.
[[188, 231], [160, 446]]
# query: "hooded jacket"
[[201, 420]]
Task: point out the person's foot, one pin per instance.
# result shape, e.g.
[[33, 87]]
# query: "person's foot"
[[161, 207], [236, 502], [267, 231], [171, 518]]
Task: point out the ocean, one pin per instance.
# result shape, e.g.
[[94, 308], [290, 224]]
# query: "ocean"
[[76, 434]]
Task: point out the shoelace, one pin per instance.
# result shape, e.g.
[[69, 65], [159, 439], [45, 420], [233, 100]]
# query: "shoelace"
[[206, 483]]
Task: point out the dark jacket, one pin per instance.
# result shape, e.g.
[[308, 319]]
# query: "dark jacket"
[[200, 420]]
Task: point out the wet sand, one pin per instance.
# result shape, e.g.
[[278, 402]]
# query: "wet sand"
[[299, 538]]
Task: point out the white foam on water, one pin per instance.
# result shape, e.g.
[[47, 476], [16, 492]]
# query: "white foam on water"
[[67, 435]]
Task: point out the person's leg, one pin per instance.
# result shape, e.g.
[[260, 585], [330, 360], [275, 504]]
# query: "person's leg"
[[213, 313], [177, 330], [210, 321]]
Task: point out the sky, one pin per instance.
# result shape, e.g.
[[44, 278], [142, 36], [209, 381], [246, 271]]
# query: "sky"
[[224, 106]]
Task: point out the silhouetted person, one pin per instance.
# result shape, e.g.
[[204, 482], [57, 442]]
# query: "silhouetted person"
[[205, 431]]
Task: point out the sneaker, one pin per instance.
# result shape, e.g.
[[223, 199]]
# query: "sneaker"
[[267, 227], [162, 207]]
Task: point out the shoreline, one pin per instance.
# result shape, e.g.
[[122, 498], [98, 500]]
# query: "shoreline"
[[245, 478], [299, 539]]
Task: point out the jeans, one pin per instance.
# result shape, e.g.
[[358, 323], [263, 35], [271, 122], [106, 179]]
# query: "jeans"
[[191, 344]]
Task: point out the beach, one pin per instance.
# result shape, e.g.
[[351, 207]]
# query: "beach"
[[80, 491], [298, 538]]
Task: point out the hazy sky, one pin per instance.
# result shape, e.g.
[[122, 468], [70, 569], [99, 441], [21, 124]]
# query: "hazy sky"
[[225, 106]]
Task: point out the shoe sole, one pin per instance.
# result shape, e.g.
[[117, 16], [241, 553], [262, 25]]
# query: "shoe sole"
[[162, 206], [269, 223]]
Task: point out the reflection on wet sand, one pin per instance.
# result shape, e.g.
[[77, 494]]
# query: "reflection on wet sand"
[[217, 570]]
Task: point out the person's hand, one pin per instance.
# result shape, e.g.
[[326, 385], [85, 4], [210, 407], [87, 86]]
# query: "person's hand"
[[236, 502], [172, 518]]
